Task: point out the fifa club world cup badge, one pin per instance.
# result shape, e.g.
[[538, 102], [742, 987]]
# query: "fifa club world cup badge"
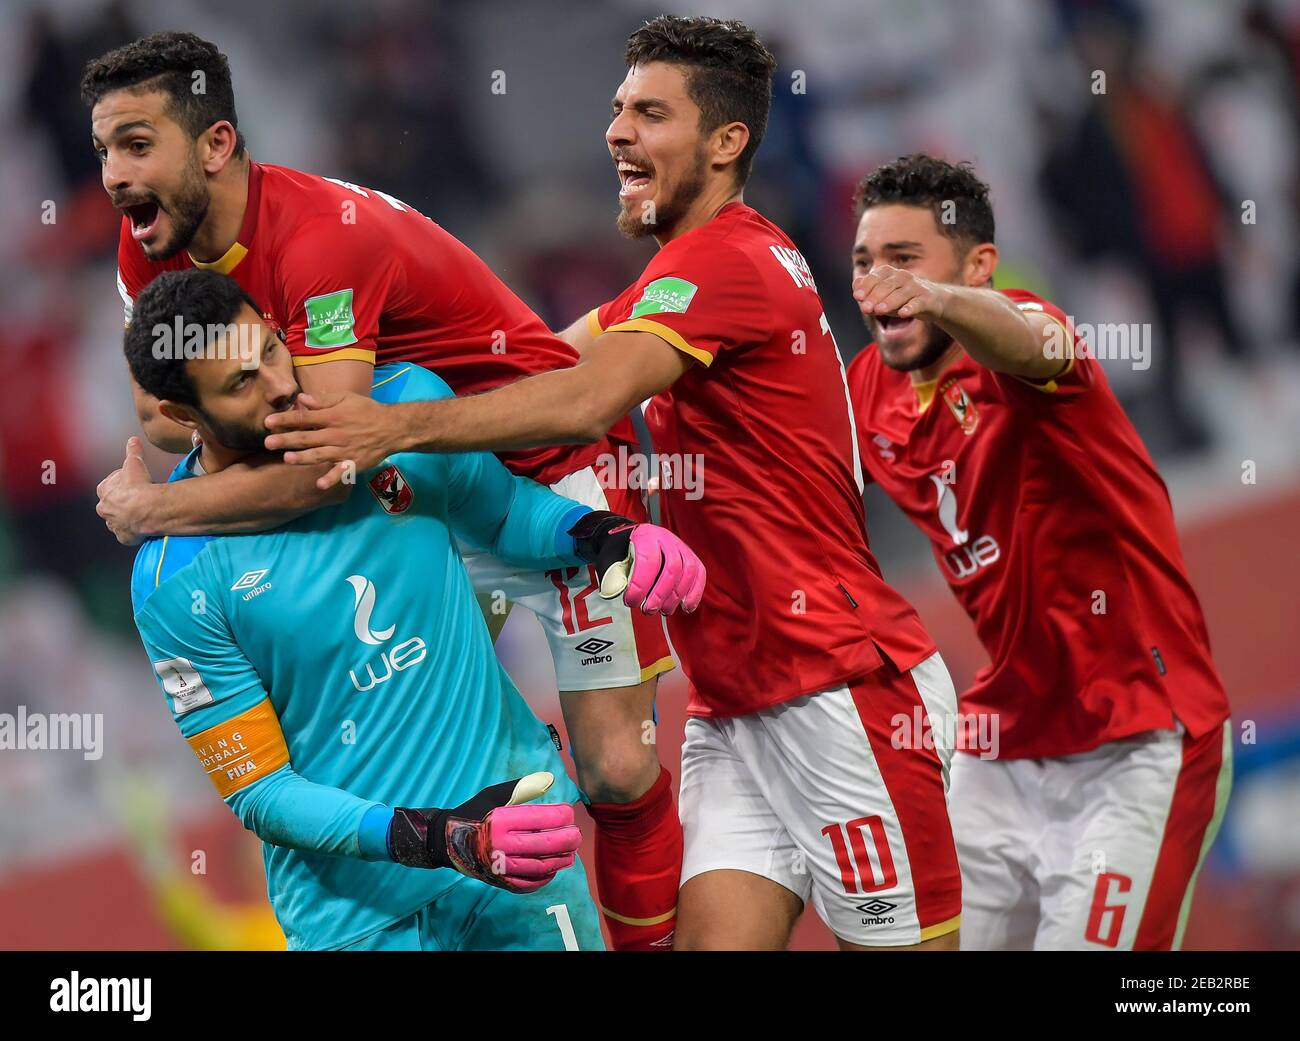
[[391, 489], [963, 409]]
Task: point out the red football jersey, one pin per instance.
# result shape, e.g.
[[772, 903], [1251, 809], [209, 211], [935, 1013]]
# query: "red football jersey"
[[795, 601], [351, 272], [1054, 530]]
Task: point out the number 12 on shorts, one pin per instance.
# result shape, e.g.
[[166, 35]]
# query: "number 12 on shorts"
[[873, 874]]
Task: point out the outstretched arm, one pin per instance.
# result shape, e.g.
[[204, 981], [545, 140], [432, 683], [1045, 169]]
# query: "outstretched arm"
[[564, 406], [990, 327]]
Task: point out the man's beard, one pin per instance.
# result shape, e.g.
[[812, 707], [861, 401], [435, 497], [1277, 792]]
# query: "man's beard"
[[238, 436], [235, 436], [668, 213], [936, 343], [187, 210]]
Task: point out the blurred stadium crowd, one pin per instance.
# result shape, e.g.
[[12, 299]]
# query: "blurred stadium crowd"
[[1169, 198]]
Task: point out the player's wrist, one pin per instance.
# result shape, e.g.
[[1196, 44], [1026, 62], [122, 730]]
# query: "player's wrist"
[[565, 544], [602, 538], [403, 428], [372, 833], [147, 513], [416, 837], [936, 301]]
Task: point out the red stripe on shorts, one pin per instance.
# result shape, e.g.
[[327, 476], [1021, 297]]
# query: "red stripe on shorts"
[[1190, 814], [914, 780]]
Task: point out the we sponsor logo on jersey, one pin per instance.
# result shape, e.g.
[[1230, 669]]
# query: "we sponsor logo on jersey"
[[401, 656], [968, 555]]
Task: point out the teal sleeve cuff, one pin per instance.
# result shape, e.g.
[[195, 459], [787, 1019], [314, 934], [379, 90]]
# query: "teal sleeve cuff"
[[565, 546], [372, 833]]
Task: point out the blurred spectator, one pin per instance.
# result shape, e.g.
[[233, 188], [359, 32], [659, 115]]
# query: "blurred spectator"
[[1131, 182], [52, 102], [402, 125], [1278, 44]]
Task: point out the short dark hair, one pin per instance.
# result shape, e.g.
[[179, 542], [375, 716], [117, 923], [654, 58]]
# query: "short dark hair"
[[167, 62], [924, 180], [728, 75], [196, 297]]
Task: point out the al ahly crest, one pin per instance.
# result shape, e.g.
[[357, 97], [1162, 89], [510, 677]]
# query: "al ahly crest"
[[963, 409]]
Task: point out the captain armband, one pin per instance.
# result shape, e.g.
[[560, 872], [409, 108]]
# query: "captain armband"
[[242, 750]]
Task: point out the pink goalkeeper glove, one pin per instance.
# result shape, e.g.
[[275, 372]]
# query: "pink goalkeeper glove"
[[492, 837], [649, 566]]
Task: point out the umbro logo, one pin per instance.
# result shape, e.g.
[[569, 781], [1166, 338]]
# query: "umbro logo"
[[876, 906], [594, 650], [593, 646], [250, 579]]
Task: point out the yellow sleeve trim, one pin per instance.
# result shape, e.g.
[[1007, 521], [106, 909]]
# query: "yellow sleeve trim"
[[593, 323], [162, 554], [1049, 386], [942, 929], [389, 379], [637, 921], [669, 336], [346, 354], [664, 664], [242, 750], [225, 263]]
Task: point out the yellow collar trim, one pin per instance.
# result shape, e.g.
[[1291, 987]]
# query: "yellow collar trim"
[[924, 394], [227, 262]]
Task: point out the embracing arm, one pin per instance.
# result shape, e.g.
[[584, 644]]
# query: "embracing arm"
[[582, 334], [248, 496], [162, 432], [255, 494], [564, 406]]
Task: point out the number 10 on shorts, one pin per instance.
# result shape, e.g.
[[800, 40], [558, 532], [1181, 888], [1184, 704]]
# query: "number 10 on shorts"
[[873, 874]]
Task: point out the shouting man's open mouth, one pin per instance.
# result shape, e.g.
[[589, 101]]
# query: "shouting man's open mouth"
[[143, 217], [636, 177]]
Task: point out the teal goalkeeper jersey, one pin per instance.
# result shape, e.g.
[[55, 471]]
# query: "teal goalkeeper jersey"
[[354, 633]]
